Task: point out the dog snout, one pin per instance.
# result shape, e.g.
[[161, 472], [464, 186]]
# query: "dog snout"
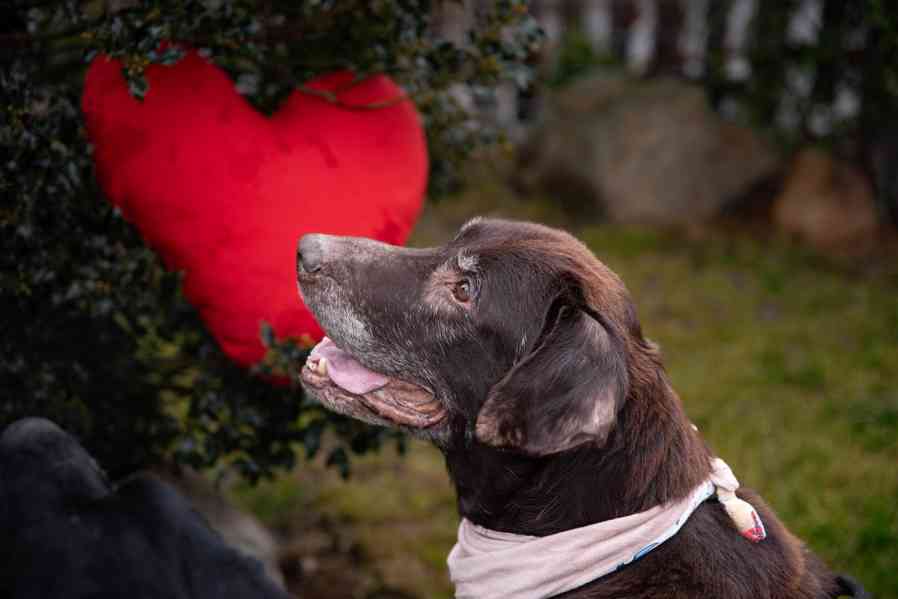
[[310, 254]]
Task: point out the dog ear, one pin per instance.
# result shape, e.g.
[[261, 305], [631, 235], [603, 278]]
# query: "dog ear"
[[564, 393]]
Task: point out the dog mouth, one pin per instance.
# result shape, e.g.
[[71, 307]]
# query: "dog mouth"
[[340, 382]]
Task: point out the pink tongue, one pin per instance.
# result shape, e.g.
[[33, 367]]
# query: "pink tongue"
[[345, 371]]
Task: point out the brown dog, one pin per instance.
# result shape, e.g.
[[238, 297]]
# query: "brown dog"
[[520, 355]]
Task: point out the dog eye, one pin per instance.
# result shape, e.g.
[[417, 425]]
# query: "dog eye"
[[462, 291]]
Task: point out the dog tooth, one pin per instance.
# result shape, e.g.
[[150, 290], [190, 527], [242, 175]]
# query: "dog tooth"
[[322, 366]]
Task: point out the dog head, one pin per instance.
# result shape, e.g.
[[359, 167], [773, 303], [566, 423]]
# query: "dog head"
[[512, 333]]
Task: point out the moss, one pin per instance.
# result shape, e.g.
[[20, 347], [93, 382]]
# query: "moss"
[[272, 501]]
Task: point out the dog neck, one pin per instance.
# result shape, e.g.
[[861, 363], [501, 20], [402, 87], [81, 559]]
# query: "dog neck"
[[653, 456]]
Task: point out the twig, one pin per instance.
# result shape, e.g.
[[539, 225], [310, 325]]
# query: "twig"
[[333, 98]]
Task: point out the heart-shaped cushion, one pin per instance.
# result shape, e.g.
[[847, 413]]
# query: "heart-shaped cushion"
[[224, 193]]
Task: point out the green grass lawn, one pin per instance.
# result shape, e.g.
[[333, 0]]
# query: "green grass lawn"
[[786, 362], [789, 368]]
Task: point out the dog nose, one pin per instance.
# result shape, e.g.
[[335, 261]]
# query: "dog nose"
[[309, 254]]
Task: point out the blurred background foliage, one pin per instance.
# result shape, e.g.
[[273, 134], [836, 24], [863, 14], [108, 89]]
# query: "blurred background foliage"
[[785, 354], [807, 72], [96, 334]]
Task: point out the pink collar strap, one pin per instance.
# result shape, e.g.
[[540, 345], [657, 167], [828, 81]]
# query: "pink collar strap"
[[486, 564]]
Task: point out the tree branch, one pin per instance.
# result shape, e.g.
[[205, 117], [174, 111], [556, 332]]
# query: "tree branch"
[[333, 98]]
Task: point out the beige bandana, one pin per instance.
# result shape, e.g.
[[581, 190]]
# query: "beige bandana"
[[486, 564]]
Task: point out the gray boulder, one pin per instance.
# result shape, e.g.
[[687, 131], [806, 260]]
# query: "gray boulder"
[[643, 151]]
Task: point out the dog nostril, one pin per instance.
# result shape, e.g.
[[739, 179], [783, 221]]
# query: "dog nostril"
[[309, 253]]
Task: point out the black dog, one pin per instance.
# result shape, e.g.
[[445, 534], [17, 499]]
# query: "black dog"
[[520, 355], [66, 533]]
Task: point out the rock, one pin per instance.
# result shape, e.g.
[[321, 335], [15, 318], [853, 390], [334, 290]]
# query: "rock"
[[238, 528], [646, 151], [828, 204]]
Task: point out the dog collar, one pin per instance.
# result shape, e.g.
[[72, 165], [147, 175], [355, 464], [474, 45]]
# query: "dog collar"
[[487, 564]]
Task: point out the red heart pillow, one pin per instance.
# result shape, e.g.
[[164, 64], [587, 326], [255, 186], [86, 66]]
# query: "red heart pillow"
[[224, 193]]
